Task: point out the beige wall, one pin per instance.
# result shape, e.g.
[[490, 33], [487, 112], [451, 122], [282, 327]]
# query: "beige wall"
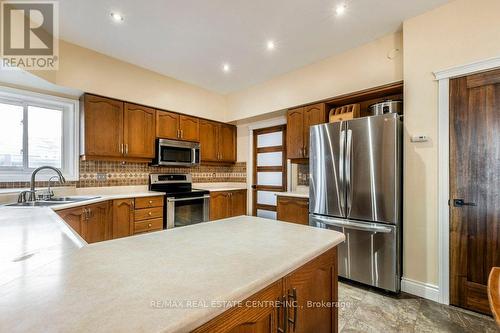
[[360, 68], [90, 71], [458, 33]]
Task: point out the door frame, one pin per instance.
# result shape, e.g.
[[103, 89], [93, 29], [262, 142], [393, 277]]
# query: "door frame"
[[281, 120], [443, 77]]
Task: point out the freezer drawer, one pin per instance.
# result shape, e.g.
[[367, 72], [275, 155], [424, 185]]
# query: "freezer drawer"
[[370, 253]]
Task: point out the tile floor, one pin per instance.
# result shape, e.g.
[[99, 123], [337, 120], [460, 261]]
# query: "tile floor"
[[366, 310]]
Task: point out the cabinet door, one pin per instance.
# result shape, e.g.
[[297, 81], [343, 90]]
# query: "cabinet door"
[[295, 133], [103, 129], [316, 281], [123, 218], [167, 125], [219, 205], [74, 218], [189, 128], [294, 210], [139, 131], [313, 115], [264, 317], [208, 141], [238, 203], [227, 143], [96, 225]]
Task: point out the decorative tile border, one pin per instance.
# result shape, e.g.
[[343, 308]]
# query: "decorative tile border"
[[303, 174], [119, 174]]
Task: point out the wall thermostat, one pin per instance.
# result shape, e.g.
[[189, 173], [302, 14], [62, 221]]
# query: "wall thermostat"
[[419, 138]]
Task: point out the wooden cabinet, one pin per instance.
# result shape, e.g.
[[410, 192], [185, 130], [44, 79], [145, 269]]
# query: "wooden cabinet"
[[148, 214], [102, 127], [171, 125], [113, 130], [123, 218], [298, 122], [139, 131], [218, 142], [303, 301], [226, 204], [293, 209], [91, 222]]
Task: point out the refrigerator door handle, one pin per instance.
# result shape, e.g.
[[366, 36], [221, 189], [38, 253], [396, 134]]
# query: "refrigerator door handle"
[[341, 171], [348, 168], [353, 225]]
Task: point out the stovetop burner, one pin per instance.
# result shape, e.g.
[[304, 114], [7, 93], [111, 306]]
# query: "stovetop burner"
[[178, 185]]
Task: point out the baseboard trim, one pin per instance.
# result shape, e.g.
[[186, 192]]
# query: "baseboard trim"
[[421, 289]]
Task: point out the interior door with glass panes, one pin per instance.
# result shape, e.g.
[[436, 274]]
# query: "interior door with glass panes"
[[269, 169]]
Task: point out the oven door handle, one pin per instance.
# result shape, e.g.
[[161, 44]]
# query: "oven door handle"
[[187, 199]]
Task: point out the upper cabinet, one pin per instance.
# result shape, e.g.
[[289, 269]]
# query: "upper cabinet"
[[113, 130], [218, 142], [174, 126], [139, 131], [298, 122]]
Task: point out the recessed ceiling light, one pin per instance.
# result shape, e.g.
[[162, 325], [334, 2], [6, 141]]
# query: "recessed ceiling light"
[[270, 45], [226, 68], [340, 10], [116, 17]]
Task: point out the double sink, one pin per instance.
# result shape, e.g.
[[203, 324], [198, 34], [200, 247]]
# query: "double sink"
[[53, 201]]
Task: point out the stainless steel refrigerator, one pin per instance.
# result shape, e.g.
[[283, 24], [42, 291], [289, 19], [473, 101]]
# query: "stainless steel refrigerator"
[[355, 188]]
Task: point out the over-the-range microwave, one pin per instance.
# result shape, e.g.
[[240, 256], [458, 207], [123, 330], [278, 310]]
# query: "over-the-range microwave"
[[176, 153]]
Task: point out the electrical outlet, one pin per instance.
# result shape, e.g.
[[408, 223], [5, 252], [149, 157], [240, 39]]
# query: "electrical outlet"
[[101, 177]]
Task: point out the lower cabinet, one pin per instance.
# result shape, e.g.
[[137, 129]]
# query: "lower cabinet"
[[304, 301], [115, 219], [293, 209], [91, 222], [224, 204]]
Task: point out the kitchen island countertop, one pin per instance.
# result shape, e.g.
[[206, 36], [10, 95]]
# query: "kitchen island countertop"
[[159, 282]]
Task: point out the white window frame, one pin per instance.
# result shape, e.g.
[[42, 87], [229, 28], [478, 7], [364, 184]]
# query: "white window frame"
[[70, 141]]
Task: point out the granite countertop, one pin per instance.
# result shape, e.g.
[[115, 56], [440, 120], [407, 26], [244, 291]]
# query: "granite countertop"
[[216, 187], [130, 284]]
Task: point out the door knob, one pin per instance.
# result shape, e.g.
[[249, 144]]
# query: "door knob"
[[461, 202]]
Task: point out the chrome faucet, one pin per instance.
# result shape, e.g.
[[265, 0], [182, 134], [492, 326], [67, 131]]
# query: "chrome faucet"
[[31, 192]]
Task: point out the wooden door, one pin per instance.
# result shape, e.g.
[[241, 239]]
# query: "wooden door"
[[291, 209], [227, 143], [208, 141], [269, 169], [167, 125], [139, 131], [314, 282], [74, 217], [96, 227], [123, 218], [103, 129], [474, 178], [295, 134], [189, 128], [219, 205], [313, 115], [262, 317], [239, 203]]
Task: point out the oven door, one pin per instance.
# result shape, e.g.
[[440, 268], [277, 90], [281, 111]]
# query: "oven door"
[[186, 211], [177, 153]]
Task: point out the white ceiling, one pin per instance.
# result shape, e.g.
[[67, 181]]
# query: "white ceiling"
[[191, 39]]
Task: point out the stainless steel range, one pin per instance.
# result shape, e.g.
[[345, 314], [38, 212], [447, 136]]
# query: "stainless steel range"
[[183, 204], [355, 188]]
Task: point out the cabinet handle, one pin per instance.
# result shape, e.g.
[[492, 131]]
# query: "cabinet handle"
[[178, 134], [150, 213], [293, 296], [85, 214], [182, 134], [126, 149], [280, 315], [150, 202], [149, 225]]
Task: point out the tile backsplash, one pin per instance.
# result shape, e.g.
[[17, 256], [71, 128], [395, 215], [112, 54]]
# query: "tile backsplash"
[[303, 174], [119, 174]]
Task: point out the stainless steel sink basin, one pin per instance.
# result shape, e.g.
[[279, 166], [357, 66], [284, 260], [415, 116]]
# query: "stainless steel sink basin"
[[53, 201]]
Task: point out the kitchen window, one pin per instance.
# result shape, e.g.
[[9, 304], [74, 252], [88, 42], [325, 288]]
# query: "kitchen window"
[[37, 130]]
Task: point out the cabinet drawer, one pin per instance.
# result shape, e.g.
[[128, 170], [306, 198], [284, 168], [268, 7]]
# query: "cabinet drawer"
[[148, 202], [148, 225], [148, 213]]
